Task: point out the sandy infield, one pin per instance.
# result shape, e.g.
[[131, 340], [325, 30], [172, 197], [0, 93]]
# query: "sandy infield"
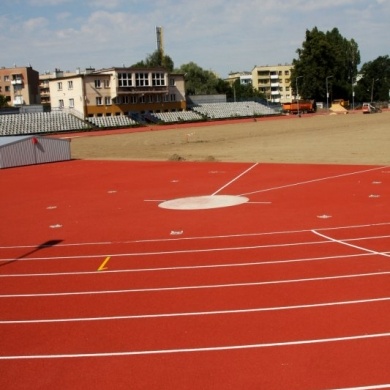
[[329, 138]]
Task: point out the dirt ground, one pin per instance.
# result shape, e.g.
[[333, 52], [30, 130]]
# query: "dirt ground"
[[328, 138]]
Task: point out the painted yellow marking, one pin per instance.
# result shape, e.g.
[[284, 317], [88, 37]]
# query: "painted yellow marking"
[[102, 266]]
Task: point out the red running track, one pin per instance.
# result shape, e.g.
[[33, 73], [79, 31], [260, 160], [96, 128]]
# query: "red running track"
[[101, 288]]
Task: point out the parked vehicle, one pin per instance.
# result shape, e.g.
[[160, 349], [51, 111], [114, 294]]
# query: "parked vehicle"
[[369, 108], [300, 106]]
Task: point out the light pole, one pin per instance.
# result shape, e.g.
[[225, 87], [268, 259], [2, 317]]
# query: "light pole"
[[372, 89], [296, 87], [353, 93], [327, 93]]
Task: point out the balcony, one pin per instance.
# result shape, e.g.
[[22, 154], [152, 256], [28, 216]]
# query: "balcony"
[[18, 101], [17, 82], [274, 77]]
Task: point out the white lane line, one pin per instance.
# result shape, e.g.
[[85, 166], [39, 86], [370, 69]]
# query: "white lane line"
[[201, 349], [236, 178], [370, 387], [157, 253], [195, 238], [344, 242], [313, 181], [198, 287], [201, 313], [189, 267]]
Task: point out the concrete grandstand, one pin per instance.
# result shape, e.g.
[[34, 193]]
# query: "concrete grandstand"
[[56, 122]]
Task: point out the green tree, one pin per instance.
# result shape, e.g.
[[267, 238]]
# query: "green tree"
[[374, 84], [3, 101], [325, 56], [155, 60], [200, 81]]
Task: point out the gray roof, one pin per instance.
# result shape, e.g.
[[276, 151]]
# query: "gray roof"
[[12, 139]]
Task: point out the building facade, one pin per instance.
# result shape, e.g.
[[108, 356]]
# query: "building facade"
[[244, 77], [44, 80], [274, 82], [20, 86], [118, 91]]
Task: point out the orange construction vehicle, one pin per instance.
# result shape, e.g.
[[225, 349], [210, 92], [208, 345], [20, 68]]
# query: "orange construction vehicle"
[[300, 107]]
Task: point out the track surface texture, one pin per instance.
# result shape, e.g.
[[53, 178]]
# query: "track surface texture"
[[101, 286]]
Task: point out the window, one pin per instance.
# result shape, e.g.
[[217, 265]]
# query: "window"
[[7, 89], [158, 79], [133, 99], [97, 83], [60, 103], [71, 103], [172, 82], [70, 84], [173, 97], [99, 101], [106, 83], [286, 72], [59, 86], [6, 78], [107, 100], [141, 79], [124, 80], [142, 99]]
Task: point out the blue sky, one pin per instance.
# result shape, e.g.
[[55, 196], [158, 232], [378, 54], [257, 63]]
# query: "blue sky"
[[218, 35]]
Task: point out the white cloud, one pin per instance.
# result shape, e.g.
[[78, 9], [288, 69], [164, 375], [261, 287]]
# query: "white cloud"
[[111, 4], [44, 3], [34, 24]]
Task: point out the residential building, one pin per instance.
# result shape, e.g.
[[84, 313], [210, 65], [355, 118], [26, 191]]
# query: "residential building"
[[274, 82], [20, 85], [118, 91], [244, 77], [44, 80]]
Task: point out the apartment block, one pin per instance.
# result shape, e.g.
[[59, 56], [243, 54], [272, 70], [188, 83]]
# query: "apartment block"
[[20, 85], [274, 82]]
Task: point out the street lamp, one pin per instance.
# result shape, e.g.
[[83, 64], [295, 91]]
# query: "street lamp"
[[327, 93], [296, 87], [372, 89], [353, 93]]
